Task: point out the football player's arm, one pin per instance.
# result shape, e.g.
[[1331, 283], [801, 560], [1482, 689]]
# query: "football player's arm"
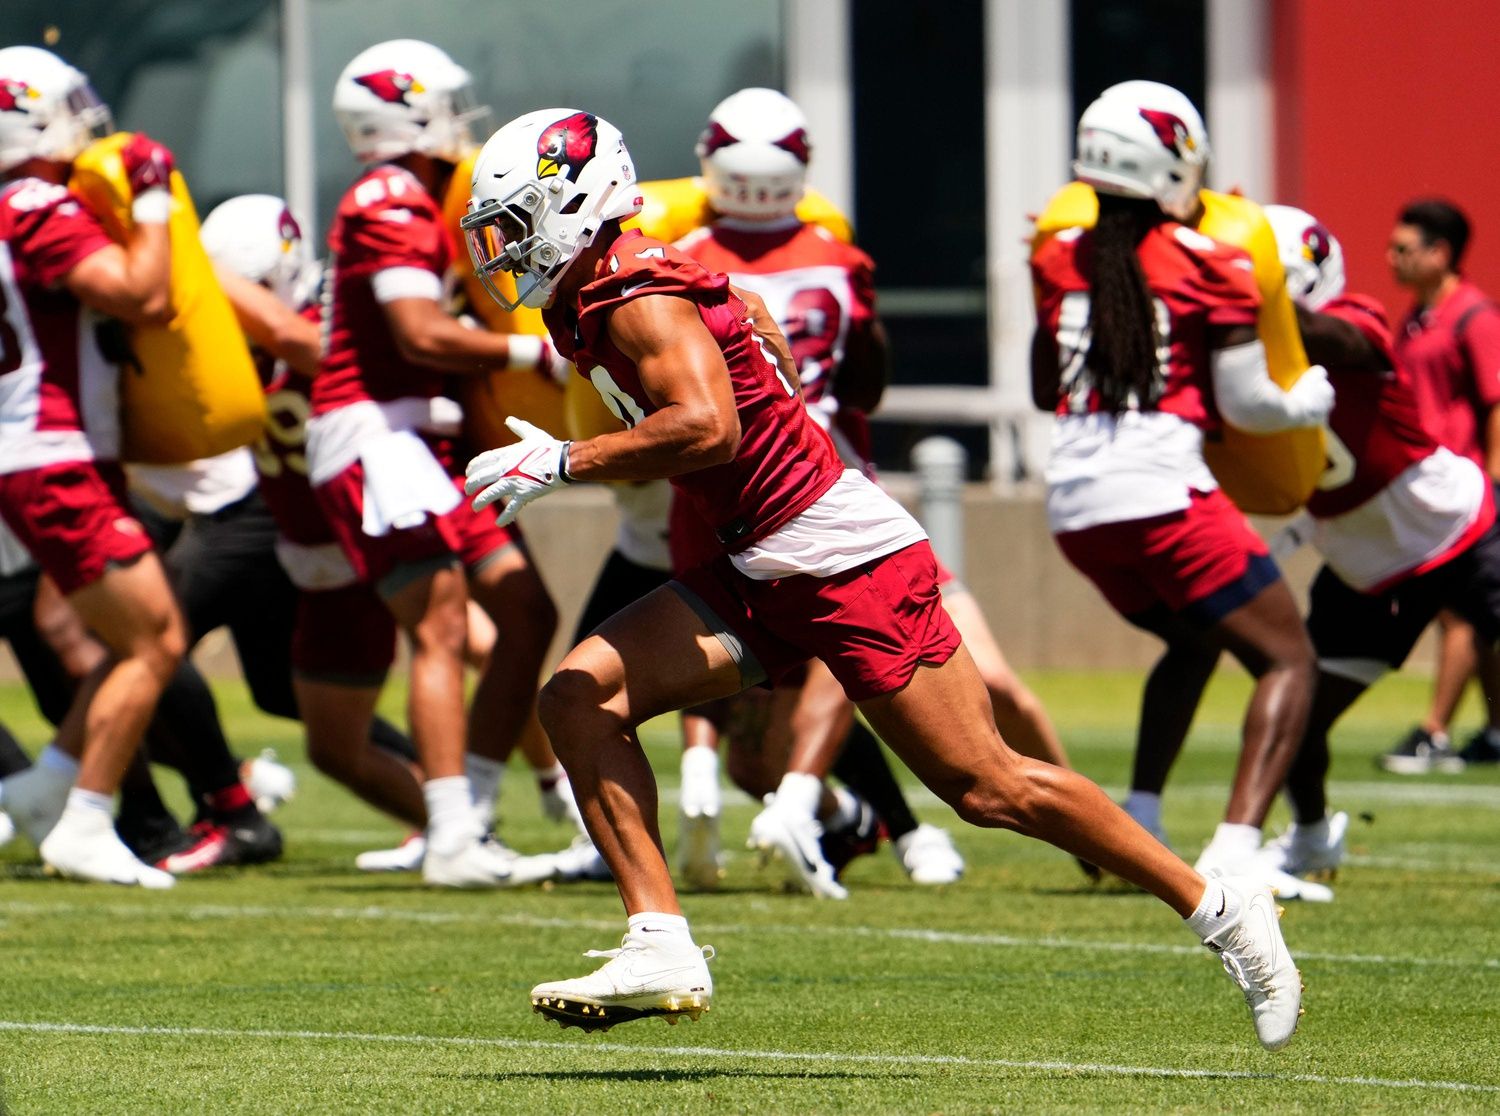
[[133, 282], [683, 372], [427, 334], [1046, 370], [271, 324], [1246, 395], [1337, 344]]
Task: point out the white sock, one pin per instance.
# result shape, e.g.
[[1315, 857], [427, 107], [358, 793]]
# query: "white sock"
[[450, 813], [700, 781], [485, 776], [1218, 908], [800, 792], [845, 810], [54, 758], [1233, 842], [88, 812], [674, 926], [1145, 808]]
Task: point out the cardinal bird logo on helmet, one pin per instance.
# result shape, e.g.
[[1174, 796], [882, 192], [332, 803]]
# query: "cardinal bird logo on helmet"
[[287, 227], [1317, 242], [390, 86], [14, 94], [1171, 130], [566, 146]]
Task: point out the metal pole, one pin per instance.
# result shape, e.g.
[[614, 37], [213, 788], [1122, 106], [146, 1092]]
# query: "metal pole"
[[941, 465], [298, 161]]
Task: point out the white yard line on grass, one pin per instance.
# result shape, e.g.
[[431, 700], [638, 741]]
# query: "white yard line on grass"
[[706, 929], [818, 1056]]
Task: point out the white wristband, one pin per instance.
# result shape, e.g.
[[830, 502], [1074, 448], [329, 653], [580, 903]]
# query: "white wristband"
[[525, 352], [154, 207]]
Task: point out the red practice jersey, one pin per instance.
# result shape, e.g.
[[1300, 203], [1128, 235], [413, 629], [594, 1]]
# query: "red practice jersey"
[[1452, 352], [784, 462], [1195, 283], [1377, 430], [819, 289], [58, 399], [386, 220]]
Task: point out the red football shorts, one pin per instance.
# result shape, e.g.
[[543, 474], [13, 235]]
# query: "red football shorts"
[[471, 537], [1204, 560], [72, 517], [346, 636], [872, 625]]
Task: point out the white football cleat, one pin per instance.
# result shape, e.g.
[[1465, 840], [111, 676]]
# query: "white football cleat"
[[1308, 850], [580, 861], [405, 857], [654, 972], [270, 782], [7, 829], [1284, 885], [483, 863], [928, 856], [793, 836], [35, 798], [1255, 956], [86, 847]]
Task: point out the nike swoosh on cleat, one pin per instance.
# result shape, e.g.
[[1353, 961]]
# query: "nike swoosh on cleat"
[[1223, 903]]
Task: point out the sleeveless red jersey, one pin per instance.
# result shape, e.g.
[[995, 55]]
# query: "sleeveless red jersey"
[[281, 452], [1376, 425], [784, 461], [819, 290], [1195, 281], [55, 380], [386, 220]]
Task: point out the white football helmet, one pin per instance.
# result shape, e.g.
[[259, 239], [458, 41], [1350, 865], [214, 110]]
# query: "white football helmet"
[[48, 110], [1142, 139], [543, 187], [405, 96], [256, 237], [1311, 255], [753, 153]]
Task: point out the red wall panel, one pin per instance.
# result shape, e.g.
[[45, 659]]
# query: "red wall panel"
[[1378, 101]]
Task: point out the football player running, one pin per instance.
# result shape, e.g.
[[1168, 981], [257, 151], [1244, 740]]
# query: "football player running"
[[61, 488], [812, 560], [1405, 527], [380, 424]]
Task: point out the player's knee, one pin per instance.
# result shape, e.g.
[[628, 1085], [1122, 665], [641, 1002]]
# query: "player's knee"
[[574, 704]]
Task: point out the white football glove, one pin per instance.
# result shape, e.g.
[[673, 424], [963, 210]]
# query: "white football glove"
[[517, 474]]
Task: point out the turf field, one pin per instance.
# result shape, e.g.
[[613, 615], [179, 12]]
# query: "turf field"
[[305, 987]]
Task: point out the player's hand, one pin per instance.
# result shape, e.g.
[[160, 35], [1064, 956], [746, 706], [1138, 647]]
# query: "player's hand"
[[517, 474], [553, 364], [1312, 396], [148, 164]]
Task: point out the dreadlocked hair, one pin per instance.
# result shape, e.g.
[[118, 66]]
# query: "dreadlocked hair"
[[1122, 329]]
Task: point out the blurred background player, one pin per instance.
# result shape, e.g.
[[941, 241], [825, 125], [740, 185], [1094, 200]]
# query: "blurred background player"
[[1449, 342], [1405, 526], [814, 560], [754, 155], [381, 430], [61, 489], [1145, 337]]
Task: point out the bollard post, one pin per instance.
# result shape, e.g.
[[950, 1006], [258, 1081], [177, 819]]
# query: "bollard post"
[[941, 464]]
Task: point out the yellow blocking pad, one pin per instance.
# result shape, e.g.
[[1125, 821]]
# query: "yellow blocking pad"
[[194, 391], [1264, 474]]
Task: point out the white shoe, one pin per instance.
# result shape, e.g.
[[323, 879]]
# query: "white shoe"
[[1308, 850], [580, 861], [405, 857], [928, 856], [652, 973], [35, 798], [483, 863], [7, 829], [270, 782], [1255, 956], [86, 847], [1284, 885], [794, 838]]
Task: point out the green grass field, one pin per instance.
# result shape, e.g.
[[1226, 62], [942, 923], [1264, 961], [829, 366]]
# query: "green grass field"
[[306, 987]]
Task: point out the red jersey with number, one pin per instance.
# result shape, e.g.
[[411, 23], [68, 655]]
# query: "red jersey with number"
[[1195, 282], [820, 291], [1452, 351], [281, 452], [58, 397], [784, 461], [386, 220], [1375, 419]]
